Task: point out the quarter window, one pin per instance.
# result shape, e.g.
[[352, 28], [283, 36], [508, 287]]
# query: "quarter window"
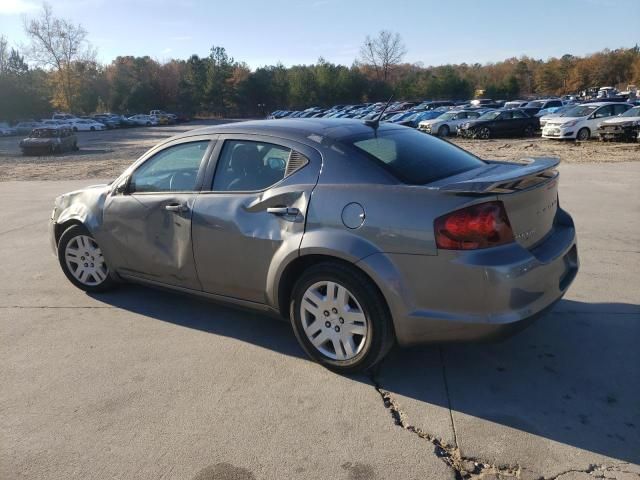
[[249, 166], [174, 169]]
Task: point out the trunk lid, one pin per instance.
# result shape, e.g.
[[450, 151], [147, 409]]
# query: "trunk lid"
[[529, 192]]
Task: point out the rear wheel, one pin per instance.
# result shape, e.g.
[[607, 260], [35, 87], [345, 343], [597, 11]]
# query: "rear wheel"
[[583, 134], [340, 318], [82, 261], [93, 129], [484, 133], [443, 131]]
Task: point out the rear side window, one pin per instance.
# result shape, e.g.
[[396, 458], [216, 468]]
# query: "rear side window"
[[413, 157], [249, 166]]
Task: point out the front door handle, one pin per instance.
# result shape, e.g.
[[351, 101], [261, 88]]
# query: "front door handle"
[[294, 212], [176, 207]]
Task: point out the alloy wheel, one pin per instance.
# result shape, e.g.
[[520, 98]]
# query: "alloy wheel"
[[333, 320], [85, 261]]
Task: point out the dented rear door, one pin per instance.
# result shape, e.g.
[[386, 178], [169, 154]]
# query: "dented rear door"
[[239, 236]]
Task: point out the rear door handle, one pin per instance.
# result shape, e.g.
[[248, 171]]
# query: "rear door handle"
[[284, 211], [176, 207]]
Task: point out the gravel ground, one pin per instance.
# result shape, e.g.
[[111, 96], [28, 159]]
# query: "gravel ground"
[[107, 154]]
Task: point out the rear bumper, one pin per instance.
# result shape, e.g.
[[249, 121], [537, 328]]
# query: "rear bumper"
[[475, 295]]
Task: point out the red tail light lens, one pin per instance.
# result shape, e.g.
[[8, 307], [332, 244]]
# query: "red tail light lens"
[[479, 226]]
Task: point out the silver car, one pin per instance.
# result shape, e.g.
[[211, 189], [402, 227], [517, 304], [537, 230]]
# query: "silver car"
[[360, 235]]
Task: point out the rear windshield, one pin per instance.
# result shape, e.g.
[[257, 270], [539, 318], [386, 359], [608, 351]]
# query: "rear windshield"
[[413, 157]]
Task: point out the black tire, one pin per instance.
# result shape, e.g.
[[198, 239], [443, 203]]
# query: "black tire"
[[529, 131], [69, 235], [443, 131], [93, 129], [583, 134], [75, 147], [75, 129], [380, 337], [484, 133]]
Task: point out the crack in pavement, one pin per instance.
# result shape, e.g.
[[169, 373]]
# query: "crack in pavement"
[[598, 471], [472, 468], [465, 468]]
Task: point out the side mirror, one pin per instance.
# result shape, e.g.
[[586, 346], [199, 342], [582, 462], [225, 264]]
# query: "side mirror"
[[122, 187]]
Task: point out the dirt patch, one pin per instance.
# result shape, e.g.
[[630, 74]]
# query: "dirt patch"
[[107, 154]]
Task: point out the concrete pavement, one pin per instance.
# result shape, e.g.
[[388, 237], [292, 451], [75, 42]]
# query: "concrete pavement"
[[140, 383]]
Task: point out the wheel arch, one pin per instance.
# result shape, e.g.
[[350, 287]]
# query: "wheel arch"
[[298, 265]]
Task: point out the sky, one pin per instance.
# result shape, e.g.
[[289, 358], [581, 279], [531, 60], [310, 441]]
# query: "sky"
[[265, 32]]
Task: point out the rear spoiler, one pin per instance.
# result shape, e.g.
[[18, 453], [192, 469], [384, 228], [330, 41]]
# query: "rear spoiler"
[[502, 177]]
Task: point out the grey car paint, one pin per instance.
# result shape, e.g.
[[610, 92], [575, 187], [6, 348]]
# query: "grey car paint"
[[228, 247]]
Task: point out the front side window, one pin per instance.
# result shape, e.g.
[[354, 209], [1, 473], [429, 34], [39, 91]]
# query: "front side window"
[[414, 158], [605, 111], [518, 114], [249, 166], [174, 169]]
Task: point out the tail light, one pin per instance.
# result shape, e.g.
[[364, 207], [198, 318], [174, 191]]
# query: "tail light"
[[479, 226]]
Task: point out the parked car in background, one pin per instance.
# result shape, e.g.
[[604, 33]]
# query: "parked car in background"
[[107, 120], [451, 250], [85, 125], [416, 118], [25, 128], [6, 130], [55, 123], [500, 123], [142, 119], [581, 121], [448, 122], [47, 140], [515, 104], [625, 127], [547, 114]]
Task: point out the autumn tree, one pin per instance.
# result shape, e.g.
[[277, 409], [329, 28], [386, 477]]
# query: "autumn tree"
[[383, 53], [59, 45]]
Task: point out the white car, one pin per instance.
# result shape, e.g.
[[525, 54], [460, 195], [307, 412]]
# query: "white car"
[[448, 122], [85, 125], [142, 119], [582, 121], [55, 123]]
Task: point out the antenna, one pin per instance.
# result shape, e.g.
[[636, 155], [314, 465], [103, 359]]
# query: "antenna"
[[374, 123]]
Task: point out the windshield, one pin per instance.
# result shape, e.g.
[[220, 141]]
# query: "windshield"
[[413, 157], [44, 133], [489, 115], [535, 104], [447, 116], [632, 112], [580, 111]]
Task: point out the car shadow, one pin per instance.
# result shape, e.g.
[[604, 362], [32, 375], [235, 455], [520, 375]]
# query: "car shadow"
[[572, 377]]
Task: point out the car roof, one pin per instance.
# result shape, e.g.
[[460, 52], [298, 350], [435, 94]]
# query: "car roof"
[[294, 128]]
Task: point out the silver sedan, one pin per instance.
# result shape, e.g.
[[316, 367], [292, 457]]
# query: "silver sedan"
[[361, 235]]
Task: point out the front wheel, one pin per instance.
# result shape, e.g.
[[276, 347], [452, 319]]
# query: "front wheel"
[[583, 134], [484, 133], [82, 261], [528, 131], [443, 131], [340, 318]]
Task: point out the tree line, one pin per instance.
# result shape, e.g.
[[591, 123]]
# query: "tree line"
[[58, 70]]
